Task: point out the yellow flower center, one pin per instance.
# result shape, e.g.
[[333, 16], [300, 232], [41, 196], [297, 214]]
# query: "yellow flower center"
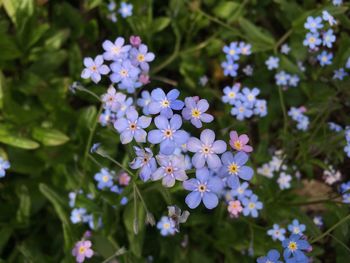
[[116, 50], [168, 133], [232, 95], [250, 97], [105, 178], [93, 68], [233, 168], [123, 72], [196, 113], [166, 225], [140, 57], [238, 145], [292, 246], [312, 40], [165, 103], [232, 52], [82, 249], [202, 188], [251, 205], [241, 109]]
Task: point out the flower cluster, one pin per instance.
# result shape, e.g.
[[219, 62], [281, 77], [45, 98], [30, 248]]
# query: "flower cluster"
[[129, 64], [286, 80], [106, 179], [233, 53], [276, 166], [4, 165], [297, 114], [320, 34], [294, 246], [125, 10], [244, 102]]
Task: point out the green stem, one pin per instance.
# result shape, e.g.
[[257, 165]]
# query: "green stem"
[[116, 162], [340, 242], [282, 39], [330, 229], [283, 106], [119, 252], [141, 198]]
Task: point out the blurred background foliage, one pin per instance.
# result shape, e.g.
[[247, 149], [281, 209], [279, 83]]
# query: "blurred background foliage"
[[46, 131]]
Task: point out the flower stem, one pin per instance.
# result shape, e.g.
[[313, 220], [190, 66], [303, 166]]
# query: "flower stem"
[[340, 222], [282, 39], [283, 106], [119, 252]]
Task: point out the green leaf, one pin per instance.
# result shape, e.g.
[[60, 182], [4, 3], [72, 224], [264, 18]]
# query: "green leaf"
[[5, 234], [261, 40], [160, 24], [23, 212], [226, 9], [2, 88], [49, 137], [58, 204], [56, 41], [7, 137]]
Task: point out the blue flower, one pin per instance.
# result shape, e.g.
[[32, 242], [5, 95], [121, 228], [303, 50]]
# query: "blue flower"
[[4, 165], [303, 123], [296, 228], [251, 205], [272, 63], [327, 17], [293, 80], [313, 24], [334, 127], [318, 221], [232, 51], [115, 51], [195, 112], [166, 226], [125, 74], [272, 257], [104, 179], [78, 215], [285, 49], [140, 57], [125, 9], [241, 110], [124, 200], [231, 94], [245, 49], [282, 78], [260, 108], [106, 117], [203, 188], [337, 2], [132, 127], [230, 68], [171, 168], [94, 69], [124, 105], [249, 96], [144, 159], [348, 63], [168, 134], [340, 74], [206, 150], [325, 58], [312, 40], [234, 167], [328, 38], [144, 101], [347, 150], [241, 191], [293, 249], [164, 103], [277, 233]]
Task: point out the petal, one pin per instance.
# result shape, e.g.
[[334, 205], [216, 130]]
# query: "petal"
[[167, 147], [244, 138], [227, 158], [203, 105], [121, 124], [155, 136], [173, 94], [219, 146], [158, 174], [215, 184], [154, 107], [177, 105], [210, 200], [161, 122], [198, 160], [205, 117], [213, 161], [95, 77], [103, 70], [86, 73], [194, 144], [180, 137], [144, 121], [202, 175], [196, 123], [99, 60], [246, 173], [140, 135], [193, 199], [247, 148], [233, 136], [233, 181], [107, 45], [175, 122], [132, 114], [168, 181], [126, 137], [207, 137], [190, 184], [88, 62], [158, 94], [241, 158]]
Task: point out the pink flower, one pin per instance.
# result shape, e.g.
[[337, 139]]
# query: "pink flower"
[[240, 143], [234, 208], [124, 179], [144, 79], [81, 250], [135, 41]]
